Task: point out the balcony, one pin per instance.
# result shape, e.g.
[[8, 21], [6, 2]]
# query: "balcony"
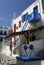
[[33, 17], [37, 16]]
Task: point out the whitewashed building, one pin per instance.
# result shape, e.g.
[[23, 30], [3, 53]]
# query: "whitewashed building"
[[31, 18], [33, 13], [3, 32]]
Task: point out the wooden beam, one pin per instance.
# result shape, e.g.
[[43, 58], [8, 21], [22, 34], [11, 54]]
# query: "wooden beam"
[[23, 32]]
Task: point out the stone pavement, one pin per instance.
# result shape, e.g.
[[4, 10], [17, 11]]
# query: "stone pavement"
[[7, 60]]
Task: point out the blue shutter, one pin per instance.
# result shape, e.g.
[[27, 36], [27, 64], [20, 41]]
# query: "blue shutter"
[[25, 17], [35, 9], [22, 18], [36, 14]]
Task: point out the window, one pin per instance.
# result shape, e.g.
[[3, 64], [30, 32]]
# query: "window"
[[15, 28], [1, 32], [35, 10], [5, 32], [24, 17], [19, 23], [32, 37], [43, 5], [1, 39]]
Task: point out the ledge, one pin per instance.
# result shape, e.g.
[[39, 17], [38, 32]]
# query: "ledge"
[[28, 58]]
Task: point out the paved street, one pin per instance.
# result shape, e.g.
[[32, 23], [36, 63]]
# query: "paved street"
[[7, 60]]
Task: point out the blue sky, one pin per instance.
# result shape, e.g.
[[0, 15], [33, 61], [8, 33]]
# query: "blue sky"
[[8, 7]]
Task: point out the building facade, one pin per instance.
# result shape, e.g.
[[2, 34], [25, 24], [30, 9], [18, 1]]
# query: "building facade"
[[34, 13], [31, 18], [3, 32]]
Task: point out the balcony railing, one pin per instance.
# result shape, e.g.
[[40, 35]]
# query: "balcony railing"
[[33, 17]]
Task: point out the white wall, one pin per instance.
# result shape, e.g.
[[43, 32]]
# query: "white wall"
[[16, 21], [38, 45], [29, 10]]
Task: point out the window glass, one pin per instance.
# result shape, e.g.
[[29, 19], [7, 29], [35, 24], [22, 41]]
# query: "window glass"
[[19, 23], [43, 5], [1, 32], [1, 39], [5, 32], [14, 27], [24, 17]]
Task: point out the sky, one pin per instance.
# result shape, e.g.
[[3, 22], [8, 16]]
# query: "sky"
[[8, 7]]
